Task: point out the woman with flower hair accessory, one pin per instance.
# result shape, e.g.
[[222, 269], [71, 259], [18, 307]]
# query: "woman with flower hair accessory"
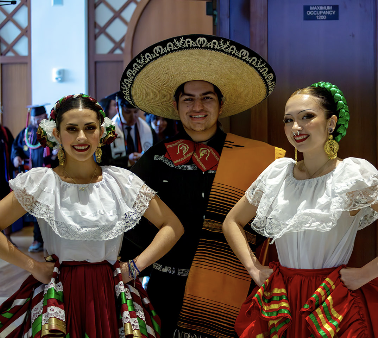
[[312, 210], [83, 210]]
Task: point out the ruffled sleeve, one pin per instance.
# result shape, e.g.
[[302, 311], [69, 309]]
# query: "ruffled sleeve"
[[97, 211], [356, 187], [270, 179], [32, 188]]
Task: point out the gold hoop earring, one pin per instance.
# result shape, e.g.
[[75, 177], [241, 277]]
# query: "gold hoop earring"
[[331, 148], [98, 154], [61, 156]]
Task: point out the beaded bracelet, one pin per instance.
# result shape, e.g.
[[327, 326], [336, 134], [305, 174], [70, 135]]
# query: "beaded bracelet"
[[133, 269]]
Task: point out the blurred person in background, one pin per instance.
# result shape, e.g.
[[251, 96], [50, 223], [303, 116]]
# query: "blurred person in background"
[[6, 167], [134, 135], [28, 153], [109, 106], [163, 127]]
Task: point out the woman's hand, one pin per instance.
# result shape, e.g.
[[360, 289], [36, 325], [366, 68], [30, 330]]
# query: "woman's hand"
[[261, 274], [125, 272], [43, 272], [354, 278]]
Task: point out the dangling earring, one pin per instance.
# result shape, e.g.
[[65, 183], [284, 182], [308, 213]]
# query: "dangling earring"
[[61, 155], [295, 155], [98, 154], [331, 147]]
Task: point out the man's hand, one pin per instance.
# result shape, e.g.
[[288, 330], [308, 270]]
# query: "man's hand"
[[133, 157], [17, 161], [43, 272]]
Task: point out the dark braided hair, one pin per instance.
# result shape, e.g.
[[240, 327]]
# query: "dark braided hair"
[[69, 102], [77, 101], [333, 102]]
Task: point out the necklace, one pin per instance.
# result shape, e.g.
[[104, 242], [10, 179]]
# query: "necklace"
[[317, 171], [84, 187]]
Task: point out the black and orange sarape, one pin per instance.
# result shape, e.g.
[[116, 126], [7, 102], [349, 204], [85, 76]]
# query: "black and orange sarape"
[[285, 306], [218, 283], [44, 310]]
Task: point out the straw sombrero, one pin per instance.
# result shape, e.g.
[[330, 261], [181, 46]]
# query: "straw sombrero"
[[152, 77]]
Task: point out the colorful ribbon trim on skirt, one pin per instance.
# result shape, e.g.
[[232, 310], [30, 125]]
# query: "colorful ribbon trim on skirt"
[[14, 312], [47, 316], [327, 307], [37, 310], [324, 311], [271, 304], [137, 316]]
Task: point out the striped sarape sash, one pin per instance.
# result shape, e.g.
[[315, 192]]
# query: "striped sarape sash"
[[37, 310], [218, 283]]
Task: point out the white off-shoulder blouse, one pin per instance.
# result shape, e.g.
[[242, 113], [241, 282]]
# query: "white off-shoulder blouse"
[[309, 220], [83, 222]]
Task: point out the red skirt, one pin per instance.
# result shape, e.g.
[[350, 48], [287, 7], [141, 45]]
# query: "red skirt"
[[300, 303], [89, 300], [82, 300]]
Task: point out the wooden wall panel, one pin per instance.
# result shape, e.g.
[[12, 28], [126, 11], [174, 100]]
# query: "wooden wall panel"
[[223, 30], [341, 51], [107, 77], [259, 43], [245, 21], [162, 19], [16, 95], [239, 32]]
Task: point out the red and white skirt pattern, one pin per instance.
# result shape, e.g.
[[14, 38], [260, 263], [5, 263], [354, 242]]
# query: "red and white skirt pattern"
[[95, 303]]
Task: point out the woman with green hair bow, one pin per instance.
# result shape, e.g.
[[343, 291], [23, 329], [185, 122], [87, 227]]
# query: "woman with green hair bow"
[[312, 210]]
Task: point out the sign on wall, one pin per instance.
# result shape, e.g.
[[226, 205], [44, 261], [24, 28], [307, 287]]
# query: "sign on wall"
[[321, 12]]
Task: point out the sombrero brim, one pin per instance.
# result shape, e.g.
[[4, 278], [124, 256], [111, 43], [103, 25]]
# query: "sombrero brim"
[[152, 77]]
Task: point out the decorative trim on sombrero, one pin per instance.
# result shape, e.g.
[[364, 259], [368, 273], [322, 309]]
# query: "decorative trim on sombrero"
[[206, 44]]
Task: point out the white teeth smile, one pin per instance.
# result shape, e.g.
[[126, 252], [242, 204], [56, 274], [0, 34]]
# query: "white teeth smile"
[[301, 137], [81, 147], [197, 116]]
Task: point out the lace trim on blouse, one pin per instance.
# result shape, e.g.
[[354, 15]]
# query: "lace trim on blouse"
[[75, 232], [274, 220]]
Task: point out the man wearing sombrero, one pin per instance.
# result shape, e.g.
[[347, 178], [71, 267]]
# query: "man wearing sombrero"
[[199, 286]]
